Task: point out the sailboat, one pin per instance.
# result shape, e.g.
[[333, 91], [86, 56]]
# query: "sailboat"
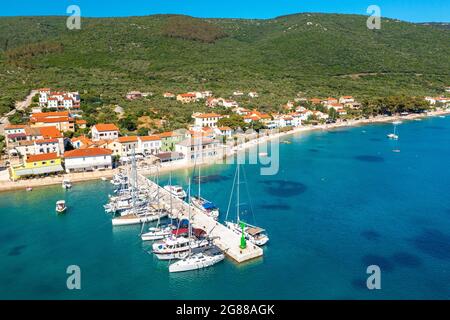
[[205, 257], [174, 247], [159, 232], [394, 135], [254, 234], [141, 213], [204, 205]]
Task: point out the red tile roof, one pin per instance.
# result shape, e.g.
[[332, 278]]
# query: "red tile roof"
[[50, 132], [15, 126], [91, 152], [150, 138], [51, 114], [207, 115], [106, 127], [127, 139], [42, 141], [42, 157]]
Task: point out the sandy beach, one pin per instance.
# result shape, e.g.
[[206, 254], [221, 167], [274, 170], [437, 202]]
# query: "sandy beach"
[[6, 185]]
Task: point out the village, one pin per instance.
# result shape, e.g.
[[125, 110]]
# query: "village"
[[43, 148]]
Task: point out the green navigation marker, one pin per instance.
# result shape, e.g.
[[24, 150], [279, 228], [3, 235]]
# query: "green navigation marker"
[[243, 241]]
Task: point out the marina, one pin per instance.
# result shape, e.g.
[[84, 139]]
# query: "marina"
[[319, 248]]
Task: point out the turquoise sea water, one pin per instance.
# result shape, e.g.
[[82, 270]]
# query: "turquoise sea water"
[[341, 201]]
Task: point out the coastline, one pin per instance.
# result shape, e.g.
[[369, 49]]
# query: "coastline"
[[7, 185]]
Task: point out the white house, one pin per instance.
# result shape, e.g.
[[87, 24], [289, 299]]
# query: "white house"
[[206, 119], [199, 149], [90, 159], [253, 94], [149, 144], [104, 131], [224, 131], [346, 99]]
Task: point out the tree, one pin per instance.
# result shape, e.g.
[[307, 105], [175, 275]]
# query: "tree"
[[142, 131], [234, 121]]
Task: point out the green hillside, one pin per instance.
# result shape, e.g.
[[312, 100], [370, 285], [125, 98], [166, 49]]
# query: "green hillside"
[[317, 54]]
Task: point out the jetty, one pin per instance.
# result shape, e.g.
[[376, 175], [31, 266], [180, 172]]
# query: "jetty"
[[224, 238]]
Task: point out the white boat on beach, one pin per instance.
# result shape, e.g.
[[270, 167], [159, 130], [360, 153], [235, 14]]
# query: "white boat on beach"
[[66, 184], [176, 191], [200, 260], [61, 206]]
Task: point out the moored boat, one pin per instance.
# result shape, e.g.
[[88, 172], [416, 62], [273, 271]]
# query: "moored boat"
[[66, 184], [61, 206], [203, 259], [176, 191]]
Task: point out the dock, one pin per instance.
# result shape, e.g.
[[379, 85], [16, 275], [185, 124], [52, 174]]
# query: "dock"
[[224, 238]]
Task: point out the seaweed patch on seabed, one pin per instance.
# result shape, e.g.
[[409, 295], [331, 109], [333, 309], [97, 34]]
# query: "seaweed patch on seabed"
[[368, 158], [406, 259], [382, 262], [284, 188], [370, 235], [280, 206], [434, 243], [17, 250]]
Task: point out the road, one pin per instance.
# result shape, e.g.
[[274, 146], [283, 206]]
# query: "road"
[[20, 105]]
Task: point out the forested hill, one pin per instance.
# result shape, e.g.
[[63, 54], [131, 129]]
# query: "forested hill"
[[317, 54]]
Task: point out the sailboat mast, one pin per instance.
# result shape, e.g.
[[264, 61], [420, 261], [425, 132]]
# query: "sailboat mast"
[[199, 180], [237, 194], [190, 225]]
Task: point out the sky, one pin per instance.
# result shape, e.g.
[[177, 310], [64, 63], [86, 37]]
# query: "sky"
[[408, 10]]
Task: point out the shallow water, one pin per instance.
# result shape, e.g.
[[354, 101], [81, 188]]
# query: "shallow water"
[[339, 203]]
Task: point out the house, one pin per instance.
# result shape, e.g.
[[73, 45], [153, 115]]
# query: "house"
[[329, 101], [229, 104], [346, 99], [81, 142], [149, 145], [168, 95], [315, 101], [62, 120], [342, 112], [124, 146], [58, 100], [255, 115], [336, 106], [133, 95], [40, 146], [187, 97], [199, 149], [206, 119], [241, 111], [224, 131], [170, 138], [169, 156], [90, 159], [104, 131], [238, 93], [81, 123], [253, 94], [14, 133], [40, 164]]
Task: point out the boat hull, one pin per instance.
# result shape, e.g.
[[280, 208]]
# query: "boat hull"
[[189, 265], [131, 221]]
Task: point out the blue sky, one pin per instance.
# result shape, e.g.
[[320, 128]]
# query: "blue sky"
[[409, 10]]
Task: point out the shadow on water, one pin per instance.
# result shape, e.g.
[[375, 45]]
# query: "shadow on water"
[[369, 158], [406, 259], [434, 243], [210, 178], [370, 235], [313, 150], [382, 262], [360, 284], [284, 188], [16, 251]]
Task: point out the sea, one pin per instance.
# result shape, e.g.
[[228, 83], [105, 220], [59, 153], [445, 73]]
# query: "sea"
[[342, 200]]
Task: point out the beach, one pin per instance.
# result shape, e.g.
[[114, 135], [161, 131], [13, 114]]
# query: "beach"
[[7, 185]]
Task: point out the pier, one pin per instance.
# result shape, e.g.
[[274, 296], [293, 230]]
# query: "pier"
[[224, 238]]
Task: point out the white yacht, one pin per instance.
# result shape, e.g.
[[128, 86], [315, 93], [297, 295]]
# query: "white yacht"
[[157, 233], [200, 260], [176, 247], [176, 191]]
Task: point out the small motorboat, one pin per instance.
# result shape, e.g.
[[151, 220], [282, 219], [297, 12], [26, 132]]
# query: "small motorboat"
[[392, 136], [29, 189], [262, 154], [61, 206], [104, 179], [66, 184]]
